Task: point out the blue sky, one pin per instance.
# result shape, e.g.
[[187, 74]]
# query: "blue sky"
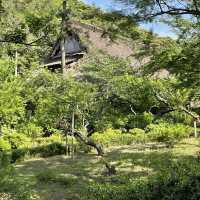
[[159, 28]]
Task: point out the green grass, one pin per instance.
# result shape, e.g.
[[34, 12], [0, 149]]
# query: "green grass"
[[61, 177]]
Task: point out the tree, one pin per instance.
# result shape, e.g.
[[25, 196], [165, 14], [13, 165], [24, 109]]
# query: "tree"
[[148, 9], [180, 60]]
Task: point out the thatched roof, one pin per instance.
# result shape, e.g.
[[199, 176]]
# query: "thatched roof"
[[73, 48]]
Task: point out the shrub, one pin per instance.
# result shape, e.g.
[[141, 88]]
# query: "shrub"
[[179, 117], [41, 151], [46, 140], [139, 135], [16, 140], [137, 131], [4, 159], [141, 120], [168, 133], [180, 181], [19, 154], [48, 150], [4, 145], [112, 137], [32, 130]]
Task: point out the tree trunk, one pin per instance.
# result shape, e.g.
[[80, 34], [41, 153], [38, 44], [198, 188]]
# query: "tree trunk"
[[89, 142], [62, 42], [16, 63], [195, 129]]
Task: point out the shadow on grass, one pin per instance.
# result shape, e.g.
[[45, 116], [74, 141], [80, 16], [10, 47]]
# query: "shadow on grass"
[[138, 164], [58, 172], [87, 168]]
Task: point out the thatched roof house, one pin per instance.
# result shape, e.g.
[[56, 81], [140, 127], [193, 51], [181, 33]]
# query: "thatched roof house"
[[74, 51]]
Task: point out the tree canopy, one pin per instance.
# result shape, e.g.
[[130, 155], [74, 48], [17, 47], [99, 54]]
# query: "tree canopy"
[[153, 8]]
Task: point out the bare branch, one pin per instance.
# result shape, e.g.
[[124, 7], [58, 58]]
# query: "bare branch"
[[159, 4], [180, 108], [88, 141], [33, 43], [196, 5], [194, 115], [15, 42], [132, 110], [172, 11], [161, 99]]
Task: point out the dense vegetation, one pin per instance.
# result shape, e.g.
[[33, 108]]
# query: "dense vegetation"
[[113, 103]]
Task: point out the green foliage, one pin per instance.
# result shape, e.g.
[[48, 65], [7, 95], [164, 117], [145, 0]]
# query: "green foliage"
[[32, 130], [148, 10], [11, 102], [169, 133], [178, 117], [49, 176], [139, 135], [4, 145], [40, 151], [46, 140], [137, 131], [12, 187], [162, 132], [107, 92], [112, 137], [179, 181], [82, 147], [6, 69], [15, 139], [140, 120], [137, 91], [180, 60]]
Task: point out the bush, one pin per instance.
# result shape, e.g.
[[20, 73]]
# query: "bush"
[[49, 150], [112, 137], [16, 140], [137, 131], [41, 151], [19, 154], [4, 145], [141, 120], [180, 181], [46, 140], [139, 135], [32, 130], [4, 159], [168, 133], [179, 117]]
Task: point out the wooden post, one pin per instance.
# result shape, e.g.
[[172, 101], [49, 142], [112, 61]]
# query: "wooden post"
[[66, 145], [195, 129], [16, 63], [83, 121], [73, 123], [62, 42]]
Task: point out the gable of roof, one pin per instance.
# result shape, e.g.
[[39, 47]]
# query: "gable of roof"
[[73, 45]]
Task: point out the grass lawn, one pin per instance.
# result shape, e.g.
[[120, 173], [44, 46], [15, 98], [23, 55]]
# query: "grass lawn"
[[61, 177]]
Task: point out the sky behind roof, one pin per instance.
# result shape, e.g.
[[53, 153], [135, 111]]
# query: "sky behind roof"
[[158, 28]]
